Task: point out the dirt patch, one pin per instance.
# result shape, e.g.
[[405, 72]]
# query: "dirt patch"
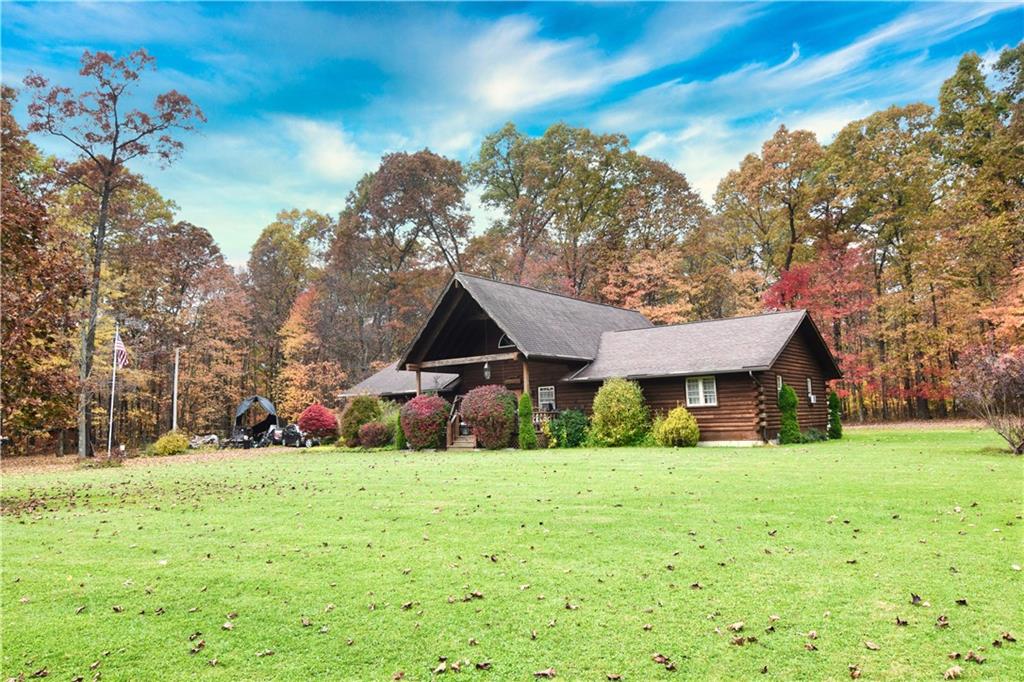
[[34, 464]]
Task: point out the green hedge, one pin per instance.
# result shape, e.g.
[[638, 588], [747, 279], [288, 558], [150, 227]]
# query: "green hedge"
[[678, 429], [790, 431], [527, 436], [620, 414]]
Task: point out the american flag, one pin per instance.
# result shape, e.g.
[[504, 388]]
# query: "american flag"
[[120, 352]]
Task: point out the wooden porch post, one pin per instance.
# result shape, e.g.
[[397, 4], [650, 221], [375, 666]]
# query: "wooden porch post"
[[419, 385], [526, 377]]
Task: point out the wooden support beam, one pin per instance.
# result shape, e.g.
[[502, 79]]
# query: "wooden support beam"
[[438, 324], [526, 377], [419, 385], [468, 360]]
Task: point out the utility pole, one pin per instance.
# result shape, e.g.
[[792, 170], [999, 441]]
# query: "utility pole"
[[174, 406]]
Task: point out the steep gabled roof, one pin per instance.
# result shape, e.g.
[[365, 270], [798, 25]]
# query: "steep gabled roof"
[[539, 323], [738, 344], [394, 381]]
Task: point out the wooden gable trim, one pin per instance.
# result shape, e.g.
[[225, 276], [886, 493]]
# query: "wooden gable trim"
[[818, 338]]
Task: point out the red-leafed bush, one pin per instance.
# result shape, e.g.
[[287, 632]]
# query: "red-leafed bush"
[[318, 421], [423, 421], [491, 412], [375, 434]]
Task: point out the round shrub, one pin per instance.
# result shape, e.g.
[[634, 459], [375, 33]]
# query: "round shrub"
[[527, 435], [620, 414], [375, 434], [491, 412], [423, 421], [171, 443], [360, 409], [567, 430], [835, 423], [678, 429], [790, 430], [316, 420]]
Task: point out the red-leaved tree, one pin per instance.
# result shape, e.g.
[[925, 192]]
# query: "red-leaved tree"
[[107, 133], [317, 420]]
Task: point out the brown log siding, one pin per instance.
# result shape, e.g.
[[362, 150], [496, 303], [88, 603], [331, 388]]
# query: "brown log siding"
[[796, 363]]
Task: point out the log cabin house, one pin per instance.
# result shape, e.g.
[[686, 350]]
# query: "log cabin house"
[[560, 349]]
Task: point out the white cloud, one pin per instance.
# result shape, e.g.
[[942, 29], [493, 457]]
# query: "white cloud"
[[327, 150]]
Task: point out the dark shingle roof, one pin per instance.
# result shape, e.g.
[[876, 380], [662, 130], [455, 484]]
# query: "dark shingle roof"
[[542, 324], [393, 381], [737, 344]]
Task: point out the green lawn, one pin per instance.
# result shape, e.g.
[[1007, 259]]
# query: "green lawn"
[[381, 553]]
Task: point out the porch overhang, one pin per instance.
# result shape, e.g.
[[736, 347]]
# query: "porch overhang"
[[467, 360]]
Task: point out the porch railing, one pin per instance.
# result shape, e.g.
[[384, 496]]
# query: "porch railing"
[[454, 421]]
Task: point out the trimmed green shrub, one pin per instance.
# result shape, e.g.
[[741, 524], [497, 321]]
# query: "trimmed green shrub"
[[527, 436], [678, 429], [813, 435], [835, 423], [620, 414], [316, 420], [171, 443], [491, 412], [423, 421], [396, 425], [790, 431], [375, 434], [567, 430], [359, 410]]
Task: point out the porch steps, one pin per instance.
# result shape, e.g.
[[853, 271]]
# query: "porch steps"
[[463, 443]]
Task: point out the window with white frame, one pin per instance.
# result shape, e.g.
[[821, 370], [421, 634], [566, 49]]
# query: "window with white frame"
[[810, 391], [505, 342], [778, 383], [701, 392], [546, 398]]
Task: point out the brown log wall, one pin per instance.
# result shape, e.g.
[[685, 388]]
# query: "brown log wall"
[[796, 363]]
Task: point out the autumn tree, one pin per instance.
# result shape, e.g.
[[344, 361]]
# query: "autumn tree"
[[106, 133], [42, 283]]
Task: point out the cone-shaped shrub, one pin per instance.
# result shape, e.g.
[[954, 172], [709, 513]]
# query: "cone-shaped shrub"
[[790, 431], [423, 421], [678, 429], [620, 414], [835, 423], [360, 409], [527, 436], [491, 413], [318, 421]]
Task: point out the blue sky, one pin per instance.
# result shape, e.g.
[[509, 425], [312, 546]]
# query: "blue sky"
[[302, 99]]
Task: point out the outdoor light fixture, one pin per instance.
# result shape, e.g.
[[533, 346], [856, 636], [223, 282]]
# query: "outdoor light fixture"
[[487, 371]]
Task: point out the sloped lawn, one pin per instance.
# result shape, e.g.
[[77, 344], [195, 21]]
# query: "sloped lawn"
[[361, 566]]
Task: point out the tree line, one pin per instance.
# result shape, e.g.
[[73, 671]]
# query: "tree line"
[[904, 237]]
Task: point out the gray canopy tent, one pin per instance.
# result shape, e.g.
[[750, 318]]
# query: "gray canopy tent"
[[240, 432]]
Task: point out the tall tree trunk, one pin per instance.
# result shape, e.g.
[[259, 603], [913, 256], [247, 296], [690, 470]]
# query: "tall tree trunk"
[[89, 331]]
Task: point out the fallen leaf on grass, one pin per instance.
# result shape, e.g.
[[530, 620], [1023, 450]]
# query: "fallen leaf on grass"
[[854, 671], [79, 610], [42, 672], [810, 646], [306, 622], [117, 608], [213, 661], [613, 676], [200, 645], [1008, 637], [228, 626], [547, 674], [953, 673], [961, 602], [871, 646], [977, 658], [398, 675], [737, 626], [942, 621], [483, 665], [265, 652], [900, 622]]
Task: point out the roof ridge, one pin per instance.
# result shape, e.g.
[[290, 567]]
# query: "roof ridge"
[[553, 293], [720, 319]]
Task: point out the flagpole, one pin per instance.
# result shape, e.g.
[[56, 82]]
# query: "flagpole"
[[113, 383]]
